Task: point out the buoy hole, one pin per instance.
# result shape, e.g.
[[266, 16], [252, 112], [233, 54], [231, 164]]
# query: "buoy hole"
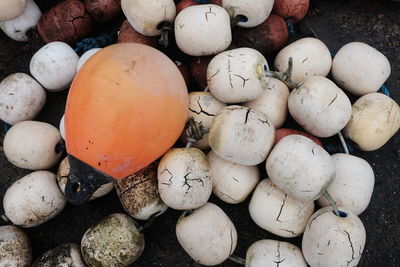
[[59, 148], [76, 187], [188, 213], [242, 18]]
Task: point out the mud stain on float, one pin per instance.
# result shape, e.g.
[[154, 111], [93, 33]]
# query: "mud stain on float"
[[58, 256], [139, 190], [131, 67]]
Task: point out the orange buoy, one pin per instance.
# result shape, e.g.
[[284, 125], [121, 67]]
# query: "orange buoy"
[[126, 107]]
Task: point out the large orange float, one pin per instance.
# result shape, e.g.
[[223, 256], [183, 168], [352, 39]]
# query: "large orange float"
[[126, 107]]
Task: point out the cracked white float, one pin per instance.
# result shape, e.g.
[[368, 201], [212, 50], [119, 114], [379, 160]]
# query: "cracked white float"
[[360, 68], [285, 216], [331, 240], [237, 75], [21, 98], [319, 106], [207, 234], [33, 199], [300, 168], [203, 30], [147, 17], [184, 178], [272, 102], [248, 13], [15, 248], [232, 182], [202, 108], [310, 57], [33, 145], [269, 252], [242, 135], [353, 184]]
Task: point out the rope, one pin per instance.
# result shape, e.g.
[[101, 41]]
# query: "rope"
[[237, 260], [343, 142], [332, 203], [194, 131], [6, 127], [384, 90], [4, 220], [94, 42], [290, 27], [202, 1], [333, 148]]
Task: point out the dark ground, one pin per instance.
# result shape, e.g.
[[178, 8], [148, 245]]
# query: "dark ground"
[[336, 23]]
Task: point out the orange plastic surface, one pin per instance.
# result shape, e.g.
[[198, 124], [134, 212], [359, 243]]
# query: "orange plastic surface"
[[126, 107]]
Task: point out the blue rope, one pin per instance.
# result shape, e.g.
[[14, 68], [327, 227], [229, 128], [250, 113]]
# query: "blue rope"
[[384, 90], [6, 127], [290, 27], [333, 54], [333, 148], [93, 42], [202, 1]]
